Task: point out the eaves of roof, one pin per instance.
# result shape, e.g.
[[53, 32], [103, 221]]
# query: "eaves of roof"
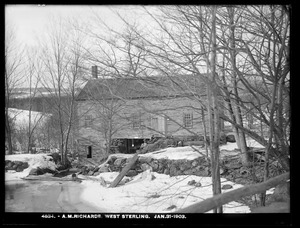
[[145, 88]]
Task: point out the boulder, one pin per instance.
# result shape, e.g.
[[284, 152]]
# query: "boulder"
[[167, 171], [162, 164], [153, 177], [103, 169], [10, 165], [118, 162], [36, 171], [194, 163], [56, 157], [226, 186], [203, 172], [145, 167], [198, 184], [144, 159], [131, 173], [33, 172], [191, 182], [111, 160], [90, 173], [84, 170], [154, 165], [230, 138], [188, 172], [25, 165], [184, 165], [18, 163], [19, 169], [171, 208], [96, 173], [47, 170], [173, 171], [7, 162]]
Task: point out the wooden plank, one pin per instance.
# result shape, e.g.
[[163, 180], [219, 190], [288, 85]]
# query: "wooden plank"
[[221, 199], [125, 170]]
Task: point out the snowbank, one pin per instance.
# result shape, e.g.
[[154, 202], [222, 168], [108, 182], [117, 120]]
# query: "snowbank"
[[33, 160], [151, 192], [233, 146], [175, 153], [21, 117]]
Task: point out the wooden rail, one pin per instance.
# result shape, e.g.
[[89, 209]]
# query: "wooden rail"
[[219, 200]]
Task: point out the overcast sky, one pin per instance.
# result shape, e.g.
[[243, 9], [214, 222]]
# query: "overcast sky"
[[32, 20]]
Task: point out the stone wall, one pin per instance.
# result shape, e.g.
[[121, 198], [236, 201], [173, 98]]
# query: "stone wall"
[[115, 163]]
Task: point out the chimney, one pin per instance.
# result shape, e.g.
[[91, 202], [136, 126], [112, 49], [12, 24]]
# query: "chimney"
[[94, 72]]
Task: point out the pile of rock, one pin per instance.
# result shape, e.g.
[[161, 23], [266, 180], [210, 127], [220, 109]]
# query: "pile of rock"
[[198, 166], [40, 171], [93, 170], [233, 170], [18, 166]]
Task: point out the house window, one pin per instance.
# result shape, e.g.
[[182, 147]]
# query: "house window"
[[88, 121], [89, 152], [152, 122], [136, 122], [188, 120]]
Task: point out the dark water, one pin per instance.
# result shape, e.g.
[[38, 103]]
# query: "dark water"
[[15, 187], [45, 196]]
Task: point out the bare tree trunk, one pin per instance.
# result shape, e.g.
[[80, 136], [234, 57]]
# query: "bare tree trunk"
[[8, 133], [205, 132], [214, 116], [237, 111], [30, 107]]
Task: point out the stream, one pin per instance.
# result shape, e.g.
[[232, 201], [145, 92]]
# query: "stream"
[[45, 196]]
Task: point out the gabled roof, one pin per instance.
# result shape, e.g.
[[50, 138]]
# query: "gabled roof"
[[147, 87]]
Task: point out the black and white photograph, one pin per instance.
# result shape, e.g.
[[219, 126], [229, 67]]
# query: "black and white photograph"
[[146, 112]]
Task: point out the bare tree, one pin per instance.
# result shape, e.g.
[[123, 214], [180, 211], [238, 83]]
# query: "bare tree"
[[108, 117], [240, 135], [63, 60], [259, 57], [253, 43], [13, 76], [33, 74], [175, 53]]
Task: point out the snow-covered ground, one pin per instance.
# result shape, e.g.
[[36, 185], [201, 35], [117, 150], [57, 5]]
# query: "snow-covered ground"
[[233, 146], [151, 192], [148, 192], [21, 117]]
